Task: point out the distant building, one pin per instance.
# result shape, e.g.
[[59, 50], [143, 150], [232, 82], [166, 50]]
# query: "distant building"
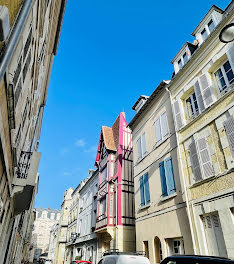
[[45, 220]]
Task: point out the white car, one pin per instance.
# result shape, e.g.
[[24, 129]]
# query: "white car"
[[124, 258]]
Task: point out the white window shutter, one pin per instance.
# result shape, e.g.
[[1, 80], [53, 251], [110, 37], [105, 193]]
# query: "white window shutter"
[[139, 148], [230, 55], [229, 128], [143, 144], [158, 130], [164, 125], [178, 116], [199, 97], [195, 162], [206, 163], [206, 90]]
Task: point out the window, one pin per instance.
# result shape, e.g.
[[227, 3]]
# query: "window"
[[214, 235], [144, 189], [161, 128], [141, 146], [192, 106], [204, 34], [224, 76], [180, 64], [102, 209], [176, 246], [211, 25], [146, 248], [185, 57], [200, 159], [167, 177], [104, 175]]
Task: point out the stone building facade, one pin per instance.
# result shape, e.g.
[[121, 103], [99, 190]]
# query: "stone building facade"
[[27, 47], [43, 224]]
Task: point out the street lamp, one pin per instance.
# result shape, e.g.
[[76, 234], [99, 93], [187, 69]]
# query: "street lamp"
[[227, 33]]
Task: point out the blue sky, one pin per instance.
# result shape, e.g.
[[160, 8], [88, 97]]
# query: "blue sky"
[[110, 53]]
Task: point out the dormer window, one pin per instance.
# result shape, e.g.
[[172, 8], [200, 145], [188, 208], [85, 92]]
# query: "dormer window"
[[204, 34], [185, 57], [211, 25], [180, 64]]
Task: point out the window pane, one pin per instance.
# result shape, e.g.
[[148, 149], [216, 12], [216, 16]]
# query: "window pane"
[[143, 144], [185, 57], [104, 174], [180, 64], [229, 72], [204, 34], [211, 25], [220, 80], [189, 107], [158, 130], [139, 148], [195, 102], [164, 125]]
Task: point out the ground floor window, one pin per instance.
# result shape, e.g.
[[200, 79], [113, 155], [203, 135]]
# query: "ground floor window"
[[175, 246], [214, 235], [158, 250]]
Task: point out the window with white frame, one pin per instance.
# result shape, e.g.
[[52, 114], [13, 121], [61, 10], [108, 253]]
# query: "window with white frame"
[[102, 208], [185, 57], [175, 246], [224, 76], [191, 105], [141, 146], [161, 128], [204, 34], [104, 175], [211, 25], [180, 64]]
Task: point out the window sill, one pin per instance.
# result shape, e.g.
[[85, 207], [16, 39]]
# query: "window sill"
[[168, 197], [145, 206], [140, 159]]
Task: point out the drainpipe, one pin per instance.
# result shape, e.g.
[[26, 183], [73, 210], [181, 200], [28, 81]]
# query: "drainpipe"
[[185, 189], [14, 36], [116, 213]]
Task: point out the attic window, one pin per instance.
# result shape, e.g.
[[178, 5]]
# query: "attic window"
[[204, 34], [185, 57], [211, 25], [180, 64]]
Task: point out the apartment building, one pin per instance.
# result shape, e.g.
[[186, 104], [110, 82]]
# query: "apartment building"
[[72, 223], [30, 32], [44, 222], [162, 226], [86, 241], [202, 93], [115, 224]]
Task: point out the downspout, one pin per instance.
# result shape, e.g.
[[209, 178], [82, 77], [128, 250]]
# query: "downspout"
[[183, 176], [14, 36], [116, 213]]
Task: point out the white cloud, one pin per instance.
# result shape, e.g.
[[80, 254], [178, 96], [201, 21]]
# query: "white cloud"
[[80, 143]]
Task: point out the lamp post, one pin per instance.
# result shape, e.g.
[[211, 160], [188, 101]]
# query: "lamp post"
[[227, 33]]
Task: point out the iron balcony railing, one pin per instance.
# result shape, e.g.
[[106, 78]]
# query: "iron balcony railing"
[[23, 165]]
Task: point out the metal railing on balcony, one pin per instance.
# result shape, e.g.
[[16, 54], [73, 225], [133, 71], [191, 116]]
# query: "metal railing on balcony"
[[23, 165], [101, 221]]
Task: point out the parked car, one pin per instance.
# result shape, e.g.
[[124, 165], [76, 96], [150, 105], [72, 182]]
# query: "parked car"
[[81, 261], [196, 259], [124, 258]]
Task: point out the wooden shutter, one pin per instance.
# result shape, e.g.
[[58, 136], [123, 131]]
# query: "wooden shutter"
[[170, 181], [158, 130], [178, 117], [143, 144], [205, 158], [164, 125], [139, 148], [206, 90], [146, 189], [195, 162], [230, 55], [229, 128], [142, 191], [199, 97], [163, 179]]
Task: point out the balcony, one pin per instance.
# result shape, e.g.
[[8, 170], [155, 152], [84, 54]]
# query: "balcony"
[[25, 180], [101, 221]]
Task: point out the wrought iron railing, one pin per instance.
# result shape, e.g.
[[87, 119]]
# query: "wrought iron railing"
[[23, 165]]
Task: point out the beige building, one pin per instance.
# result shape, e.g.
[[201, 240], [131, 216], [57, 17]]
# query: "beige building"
[[162, 226], [60, 234], [202, 92], [43, 224], [28, 42]]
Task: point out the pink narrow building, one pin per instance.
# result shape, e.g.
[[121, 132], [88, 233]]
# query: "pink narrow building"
[[116, 188]]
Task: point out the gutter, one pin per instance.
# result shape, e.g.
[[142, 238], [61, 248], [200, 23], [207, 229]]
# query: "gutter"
[[14, 36], [183, 176]]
